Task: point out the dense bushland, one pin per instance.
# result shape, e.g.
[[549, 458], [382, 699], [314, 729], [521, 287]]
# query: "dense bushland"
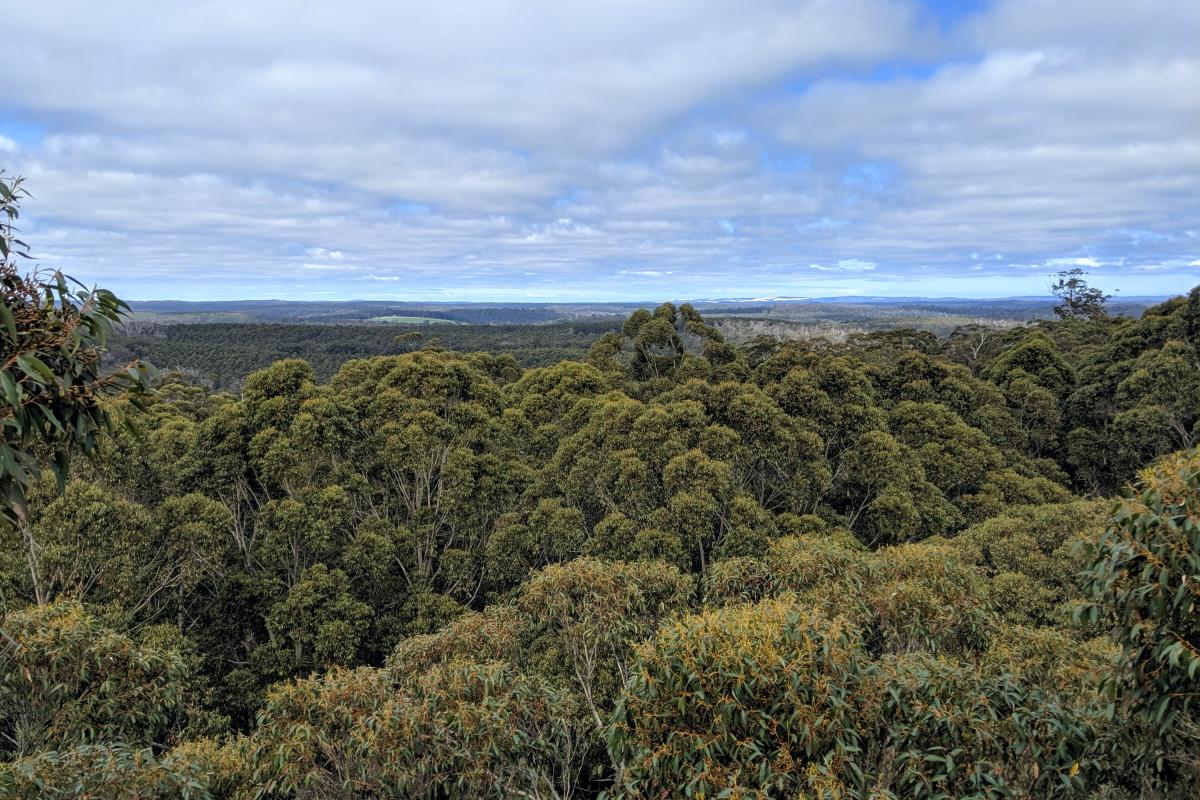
[[677, 567], [223, 354], [886, 568]]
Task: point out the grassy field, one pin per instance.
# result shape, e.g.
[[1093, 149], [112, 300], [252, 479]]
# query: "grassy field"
[[415, 320]]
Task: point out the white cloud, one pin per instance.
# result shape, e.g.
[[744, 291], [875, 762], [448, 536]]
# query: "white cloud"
[[855, 265], [845, 265], [322, 253], [1113, 27], [551, 148], [542, 74], [1073, 262]]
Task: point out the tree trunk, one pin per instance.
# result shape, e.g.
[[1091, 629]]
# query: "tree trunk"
[[33, 562]]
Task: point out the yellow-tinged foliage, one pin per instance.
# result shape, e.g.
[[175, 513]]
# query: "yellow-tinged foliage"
[[741, 700]]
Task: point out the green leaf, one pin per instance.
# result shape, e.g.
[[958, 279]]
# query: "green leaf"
[[11, 389], [9, 321], [35, 367]]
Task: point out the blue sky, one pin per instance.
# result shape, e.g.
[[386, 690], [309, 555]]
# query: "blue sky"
[[540, 150]]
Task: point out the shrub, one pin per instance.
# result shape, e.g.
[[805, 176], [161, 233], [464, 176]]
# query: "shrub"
[[747, 700], [67, 679]]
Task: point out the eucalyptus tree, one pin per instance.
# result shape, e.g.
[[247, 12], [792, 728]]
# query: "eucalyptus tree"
[[53, 331], [1076, 299]]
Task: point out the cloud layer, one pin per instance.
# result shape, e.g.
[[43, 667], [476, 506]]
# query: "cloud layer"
[[617, 150]]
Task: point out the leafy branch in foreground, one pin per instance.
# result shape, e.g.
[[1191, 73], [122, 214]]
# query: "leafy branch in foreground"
[[53, 331], [1143, 576]]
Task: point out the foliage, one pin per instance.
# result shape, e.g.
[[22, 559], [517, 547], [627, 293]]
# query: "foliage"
[[1077, 300], [749, 700], [679, 565], [67, 679], [596, 612], [941, 729], [1144, 574], [103, 770], [222, 354], [52, 335], [473, 730]]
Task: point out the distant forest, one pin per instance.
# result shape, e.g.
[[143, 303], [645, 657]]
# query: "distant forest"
[[222, 342], [223, 354]]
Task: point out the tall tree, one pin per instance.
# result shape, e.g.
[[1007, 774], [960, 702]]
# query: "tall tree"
[[1077, 300]]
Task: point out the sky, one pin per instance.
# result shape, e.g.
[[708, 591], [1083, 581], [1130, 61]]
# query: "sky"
[[565, 150]]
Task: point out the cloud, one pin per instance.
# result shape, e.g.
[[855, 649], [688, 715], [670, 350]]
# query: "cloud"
[[759, 147], [855, 265], [321, 252], [846, 265], [1111, 27], [591, 74]]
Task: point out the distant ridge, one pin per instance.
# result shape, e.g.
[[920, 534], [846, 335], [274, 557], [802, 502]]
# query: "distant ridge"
[[844, 308], [197, 305], [909, 299]]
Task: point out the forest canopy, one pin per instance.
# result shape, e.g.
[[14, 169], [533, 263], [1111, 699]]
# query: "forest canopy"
[[898, 566]]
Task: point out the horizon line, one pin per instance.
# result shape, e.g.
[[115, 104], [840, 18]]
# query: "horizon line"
[[752, 299]]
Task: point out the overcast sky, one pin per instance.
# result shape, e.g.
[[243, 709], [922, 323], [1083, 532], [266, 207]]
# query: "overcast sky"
[[629, 149]]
